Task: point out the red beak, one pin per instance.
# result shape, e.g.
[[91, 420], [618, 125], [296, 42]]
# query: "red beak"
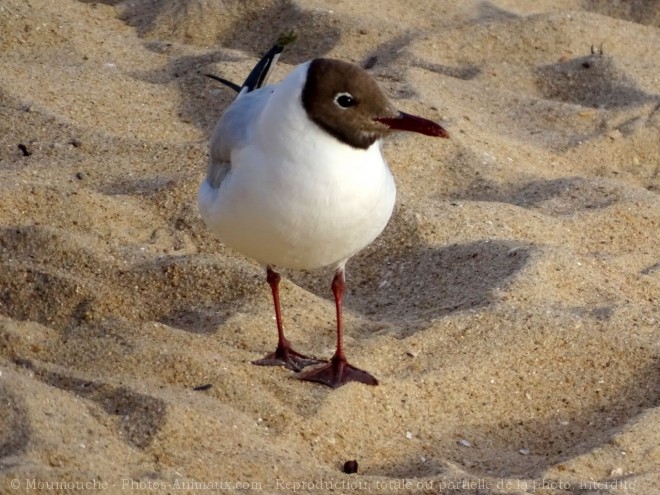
[[412, 123]]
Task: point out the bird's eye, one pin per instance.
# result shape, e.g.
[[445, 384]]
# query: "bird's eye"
[[345, 100]]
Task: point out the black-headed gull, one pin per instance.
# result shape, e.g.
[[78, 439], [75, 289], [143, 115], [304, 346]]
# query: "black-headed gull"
[[296, 180]]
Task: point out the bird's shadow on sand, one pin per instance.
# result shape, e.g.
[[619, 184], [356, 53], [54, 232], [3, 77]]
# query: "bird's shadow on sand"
[[403, 283], [427, 282]]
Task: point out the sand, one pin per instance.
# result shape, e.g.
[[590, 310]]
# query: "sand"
[[510, 310]]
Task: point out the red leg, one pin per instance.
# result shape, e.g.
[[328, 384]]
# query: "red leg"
[[338, 371], [284, 355]]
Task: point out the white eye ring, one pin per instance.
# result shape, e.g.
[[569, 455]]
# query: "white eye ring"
[[345, 100]]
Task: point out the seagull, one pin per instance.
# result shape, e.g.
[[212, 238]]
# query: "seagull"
[[296, 180]]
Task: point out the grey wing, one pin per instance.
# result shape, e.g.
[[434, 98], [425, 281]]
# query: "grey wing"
[[235, 125], [233, 130]]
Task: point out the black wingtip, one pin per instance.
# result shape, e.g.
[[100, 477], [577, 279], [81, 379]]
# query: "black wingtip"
[[259, 75], [227, 83], [264, 67]]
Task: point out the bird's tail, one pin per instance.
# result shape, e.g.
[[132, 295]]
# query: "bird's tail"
[[261, 72]]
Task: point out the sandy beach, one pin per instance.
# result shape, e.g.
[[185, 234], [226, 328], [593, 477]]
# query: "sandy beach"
[[510, 310]]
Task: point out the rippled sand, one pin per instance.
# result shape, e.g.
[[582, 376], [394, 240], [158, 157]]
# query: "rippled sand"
[[510, 309]]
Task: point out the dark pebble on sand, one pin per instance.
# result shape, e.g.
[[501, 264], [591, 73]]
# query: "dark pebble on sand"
[[199, 388], [24, 149], [371, 61], [351, 467], [80, 175]]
